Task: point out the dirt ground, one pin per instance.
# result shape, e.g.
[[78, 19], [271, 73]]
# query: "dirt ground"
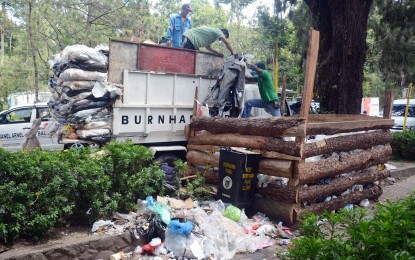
[[393, 189]]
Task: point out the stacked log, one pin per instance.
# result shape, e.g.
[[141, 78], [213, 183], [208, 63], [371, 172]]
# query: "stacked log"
[[350, 154]]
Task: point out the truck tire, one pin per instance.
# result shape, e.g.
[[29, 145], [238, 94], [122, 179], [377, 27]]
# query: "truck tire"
[[74, 146], [167, 158]]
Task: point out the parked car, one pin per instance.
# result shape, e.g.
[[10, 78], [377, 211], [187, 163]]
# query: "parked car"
[[398, 114], [295, 106], [16, 121]]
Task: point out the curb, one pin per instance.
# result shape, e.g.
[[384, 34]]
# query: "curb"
[[403, 172]]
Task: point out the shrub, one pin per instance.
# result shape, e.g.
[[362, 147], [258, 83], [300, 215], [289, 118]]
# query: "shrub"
[[125, 161], [34, 191], [92, 197], [403, 145], [41, 188], [197, 188], [390, 234]]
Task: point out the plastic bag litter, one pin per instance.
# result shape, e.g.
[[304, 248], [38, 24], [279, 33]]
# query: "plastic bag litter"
[[156, 227], [77, 85], [175, 242], [364, 203], [101, 88], [92, 132], [178, 227], [101, 224], [97, 125], [218, 206], [80, 75], [233, 213], [161, 209], [82, 53], [195, 244]]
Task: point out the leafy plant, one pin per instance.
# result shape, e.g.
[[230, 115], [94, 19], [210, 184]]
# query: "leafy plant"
[[197, 188], [389, 234], [403, 145], [35, 188]]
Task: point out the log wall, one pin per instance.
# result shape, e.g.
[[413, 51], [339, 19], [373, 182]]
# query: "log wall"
[[350, 157]]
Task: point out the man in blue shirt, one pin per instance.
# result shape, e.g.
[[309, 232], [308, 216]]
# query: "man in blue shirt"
[[178, 24]]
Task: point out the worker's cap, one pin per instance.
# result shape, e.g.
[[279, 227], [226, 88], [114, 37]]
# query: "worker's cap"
[[187, 7], [260, 65]]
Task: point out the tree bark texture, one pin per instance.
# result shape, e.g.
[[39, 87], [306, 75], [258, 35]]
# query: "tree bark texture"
[[331, 128], [279, 168], [279, 193], [278, 210], [348, 143], [271, 127], [313, 171], [340, 202], [341, 184], [343, 29], [254, 142]]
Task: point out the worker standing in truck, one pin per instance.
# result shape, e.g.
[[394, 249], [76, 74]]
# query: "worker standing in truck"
[[204, 36], [178, 24], [269, 99]]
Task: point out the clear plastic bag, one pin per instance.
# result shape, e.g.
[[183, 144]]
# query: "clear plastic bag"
[[175, 243]]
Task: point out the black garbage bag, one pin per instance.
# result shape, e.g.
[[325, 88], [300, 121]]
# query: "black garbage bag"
[[156, 227], [227, 93], [89, 65]]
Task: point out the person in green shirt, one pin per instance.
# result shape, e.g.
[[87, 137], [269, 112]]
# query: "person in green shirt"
[[269, 99], [204, 36]]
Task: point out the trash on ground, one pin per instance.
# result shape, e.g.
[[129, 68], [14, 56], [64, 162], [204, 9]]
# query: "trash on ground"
[[206, 230]]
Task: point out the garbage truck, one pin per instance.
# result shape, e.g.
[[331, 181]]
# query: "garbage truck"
[[159, 86]]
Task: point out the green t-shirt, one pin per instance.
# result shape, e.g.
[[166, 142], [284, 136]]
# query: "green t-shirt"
[[266, 87], [203, 36]]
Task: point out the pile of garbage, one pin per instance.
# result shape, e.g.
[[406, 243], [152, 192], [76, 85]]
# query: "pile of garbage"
[[191, 230], [82, 98]]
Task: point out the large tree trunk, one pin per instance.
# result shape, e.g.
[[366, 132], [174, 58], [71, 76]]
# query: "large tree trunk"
[[343, 28]]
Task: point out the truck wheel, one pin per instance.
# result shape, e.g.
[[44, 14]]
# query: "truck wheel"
[[167, 158], [74, 146]]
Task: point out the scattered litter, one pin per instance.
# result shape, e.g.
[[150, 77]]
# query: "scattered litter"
[[349, 206], [364, 203], [206, 230]]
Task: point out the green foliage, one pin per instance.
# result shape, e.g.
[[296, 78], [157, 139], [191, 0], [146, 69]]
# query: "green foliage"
[[197, 188], [403, 145], [125, 161], [390, 234], [35, 188], [41, 189], [92, 197]]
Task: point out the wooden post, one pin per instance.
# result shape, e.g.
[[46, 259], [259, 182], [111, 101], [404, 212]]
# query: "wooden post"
[[283, 94], [276, 68], [310, 73], [387, 111]]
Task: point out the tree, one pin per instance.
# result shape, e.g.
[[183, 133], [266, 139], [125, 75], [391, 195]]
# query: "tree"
[[395, 40], [343, 28]]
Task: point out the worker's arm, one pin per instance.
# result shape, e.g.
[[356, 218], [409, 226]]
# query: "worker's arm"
[[212, 50], [170, 29], [254, 68], [227, 44]]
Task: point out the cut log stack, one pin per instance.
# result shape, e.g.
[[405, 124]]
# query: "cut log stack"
[[350, 152]]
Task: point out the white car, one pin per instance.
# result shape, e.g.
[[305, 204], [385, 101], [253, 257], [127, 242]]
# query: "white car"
[[398, 113], [16, 121]]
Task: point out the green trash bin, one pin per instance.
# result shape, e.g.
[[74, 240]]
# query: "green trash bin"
[[238, 170]]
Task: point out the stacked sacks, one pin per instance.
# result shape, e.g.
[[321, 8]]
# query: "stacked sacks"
[[81, 101]]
